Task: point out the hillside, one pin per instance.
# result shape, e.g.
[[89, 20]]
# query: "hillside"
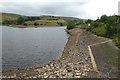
[[17, 19], [48, 17], [9, 16], [47, 22]]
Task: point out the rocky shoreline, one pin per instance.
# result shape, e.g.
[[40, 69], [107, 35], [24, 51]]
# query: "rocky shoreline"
[[75, 61]]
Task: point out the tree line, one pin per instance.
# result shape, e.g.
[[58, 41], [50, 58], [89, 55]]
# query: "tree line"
[[20, 21], [106, 26]]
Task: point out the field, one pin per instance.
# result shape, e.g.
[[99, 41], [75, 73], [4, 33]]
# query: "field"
[[47, 22], [5, 16]]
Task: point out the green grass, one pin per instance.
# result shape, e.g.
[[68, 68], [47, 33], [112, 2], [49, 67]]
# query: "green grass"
[[107, 53], [101, 31], [106, 58], [82, 26], [46, 22], [8, 16]]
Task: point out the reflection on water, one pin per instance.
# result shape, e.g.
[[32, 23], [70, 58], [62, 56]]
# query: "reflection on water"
[[25, 47]]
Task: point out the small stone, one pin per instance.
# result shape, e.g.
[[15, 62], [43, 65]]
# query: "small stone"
[[86, 59], [34, 77], [64, 71], [69, 70], [57, 67], [30, 77], [57, 76], [68, 75], [24, 74], [63, 74], [40, 76], [86, 70], [77, 71], [84, 74], [89, 69], [51, 65], [56, 72], [69, 64], [45, 76], [77, 76], [47, 66], [51, 76], [44, 67]]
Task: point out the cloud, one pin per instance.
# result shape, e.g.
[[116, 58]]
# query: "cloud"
[[52, 8], [119, 8], [97, 8], [75, 8]]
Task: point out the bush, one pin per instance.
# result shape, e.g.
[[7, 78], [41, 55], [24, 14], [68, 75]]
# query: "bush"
[[9, 22], [70, 24], [60, 23], [106, 26], [20, 20], [100, 31], [36, 24], [25, 24]]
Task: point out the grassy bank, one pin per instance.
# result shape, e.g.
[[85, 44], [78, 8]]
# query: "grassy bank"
[[108, 27], [106, 57], [47, 22], [105, 26]]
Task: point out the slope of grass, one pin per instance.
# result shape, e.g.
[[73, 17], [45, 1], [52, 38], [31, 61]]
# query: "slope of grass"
[[8, 16], [47, 22], [100, 31], [106, 57]]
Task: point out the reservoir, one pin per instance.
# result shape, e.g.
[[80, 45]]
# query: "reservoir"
[[28, 47]]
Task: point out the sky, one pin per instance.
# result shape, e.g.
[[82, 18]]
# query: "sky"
[[85, 9]]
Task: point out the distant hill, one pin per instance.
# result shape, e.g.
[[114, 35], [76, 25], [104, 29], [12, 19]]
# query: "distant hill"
[[47, 17], [9, 16], [42, 20], [58, 22]]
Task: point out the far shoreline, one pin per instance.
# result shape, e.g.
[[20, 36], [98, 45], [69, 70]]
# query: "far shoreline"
[[32, 26]]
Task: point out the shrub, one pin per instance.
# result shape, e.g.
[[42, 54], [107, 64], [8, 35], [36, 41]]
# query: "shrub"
[[101, 31], [36, 24], [20, 20], [25, 24], [70, 24], [60, 23]]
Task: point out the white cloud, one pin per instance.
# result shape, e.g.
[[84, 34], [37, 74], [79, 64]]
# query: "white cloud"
[[97, 8], [77, 8], [119, 8]]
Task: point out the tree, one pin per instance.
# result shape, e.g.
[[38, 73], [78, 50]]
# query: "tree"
[[9, 22], [60, 23], [36, 24], [70, 24], [89, 21], [21, 20], [104, 18], [25, 24]]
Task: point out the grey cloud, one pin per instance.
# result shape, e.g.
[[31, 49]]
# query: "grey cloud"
[[50, 8]]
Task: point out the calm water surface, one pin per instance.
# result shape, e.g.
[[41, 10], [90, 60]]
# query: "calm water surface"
[[25, 47]]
